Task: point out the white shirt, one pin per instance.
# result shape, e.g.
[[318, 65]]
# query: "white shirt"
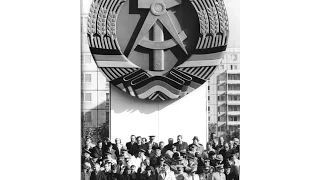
[[170, 176], [195, 177]]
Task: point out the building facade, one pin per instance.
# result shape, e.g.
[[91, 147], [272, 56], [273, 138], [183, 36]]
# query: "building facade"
[[95, 88], [224, 95]]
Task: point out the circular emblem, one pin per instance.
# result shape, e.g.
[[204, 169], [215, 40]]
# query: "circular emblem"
[[157, 49]]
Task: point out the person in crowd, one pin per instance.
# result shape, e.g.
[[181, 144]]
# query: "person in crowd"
[[219, 174], [139, 143], [225, 152], [150, 151], [234, 160], [168, 146], [88, 142], [221, 142], [209, 150], [132, 146], [126, 175], [141, 157], [217, 160], [166, 173], [161, 146], [193, 175], [106, 143], [86, 171], [118, 147], [192, 149], [181, 145], [86, 156], [96, 174], [180, 174], [206, 174], [154, 160], [200, 147], [113, 175], [160, 166], [215, 144], [152, 142], [111, 151], [144, 140], [148, 175], [230, 174], [134, 174], [236, 144], [97, 151], [87, 148], [231, 145]]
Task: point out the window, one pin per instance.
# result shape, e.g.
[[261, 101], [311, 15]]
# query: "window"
[[222, 98], [234, 118], [87, 77], [234, 57], [208, 108], [87, 59], [86, 96], [233, 76], [234, 97], [233, 108], [235, 67], [208, 98], [107, 97], [234, 87], [208, 88], [87, 117], [231, 67]]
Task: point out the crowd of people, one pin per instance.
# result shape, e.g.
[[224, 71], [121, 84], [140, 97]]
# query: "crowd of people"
[[148, 160]]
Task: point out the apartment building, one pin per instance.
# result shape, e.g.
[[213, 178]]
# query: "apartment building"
[[224, 94]]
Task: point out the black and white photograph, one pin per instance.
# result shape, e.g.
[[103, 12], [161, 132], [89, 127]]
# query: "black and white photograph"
[[160, 89]]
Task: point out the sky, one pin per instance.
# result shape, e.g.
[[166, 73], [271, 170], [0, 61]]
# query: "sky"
[[233, 10]]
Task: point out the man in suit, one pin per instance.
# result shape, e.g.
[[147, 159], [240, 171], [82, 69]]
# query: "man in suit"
[[148, 175], [96, 174], [200, 147], [152, 141], [168, 146], [97, 151], [219, 174], [132, 146], [230, 173], [181, 145], [118, 147]]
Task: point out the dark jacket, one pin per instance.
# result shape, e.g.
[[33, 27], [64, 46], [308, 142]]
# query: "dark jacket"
[[146, 177], [181, 146], [133, 149], [98, 176], [96, 152]]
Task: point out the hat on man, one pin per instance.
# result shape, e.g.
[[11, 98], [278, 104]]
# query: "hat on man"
[[219, 157], [86, 151], [94, 155], [227, 165], [142, 150], [152, 136], [220, 166], [161, 159], [179, 158], [195, 145], [148, 168], [195, 138]]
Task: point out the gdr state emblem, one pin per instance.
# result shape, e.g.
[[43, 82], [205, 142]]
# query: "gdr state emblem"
[[157, 49]]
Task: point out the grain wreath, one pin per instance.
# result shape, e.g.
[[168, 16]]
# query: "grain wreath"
[[157, 49]]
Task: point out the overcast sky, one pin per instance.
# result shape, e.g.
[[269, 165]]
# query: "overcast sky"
[[233, 10]]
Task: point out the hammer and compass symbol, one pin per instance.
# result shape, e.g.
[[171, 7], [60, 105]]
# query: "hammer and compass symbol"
[[158, 17]]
